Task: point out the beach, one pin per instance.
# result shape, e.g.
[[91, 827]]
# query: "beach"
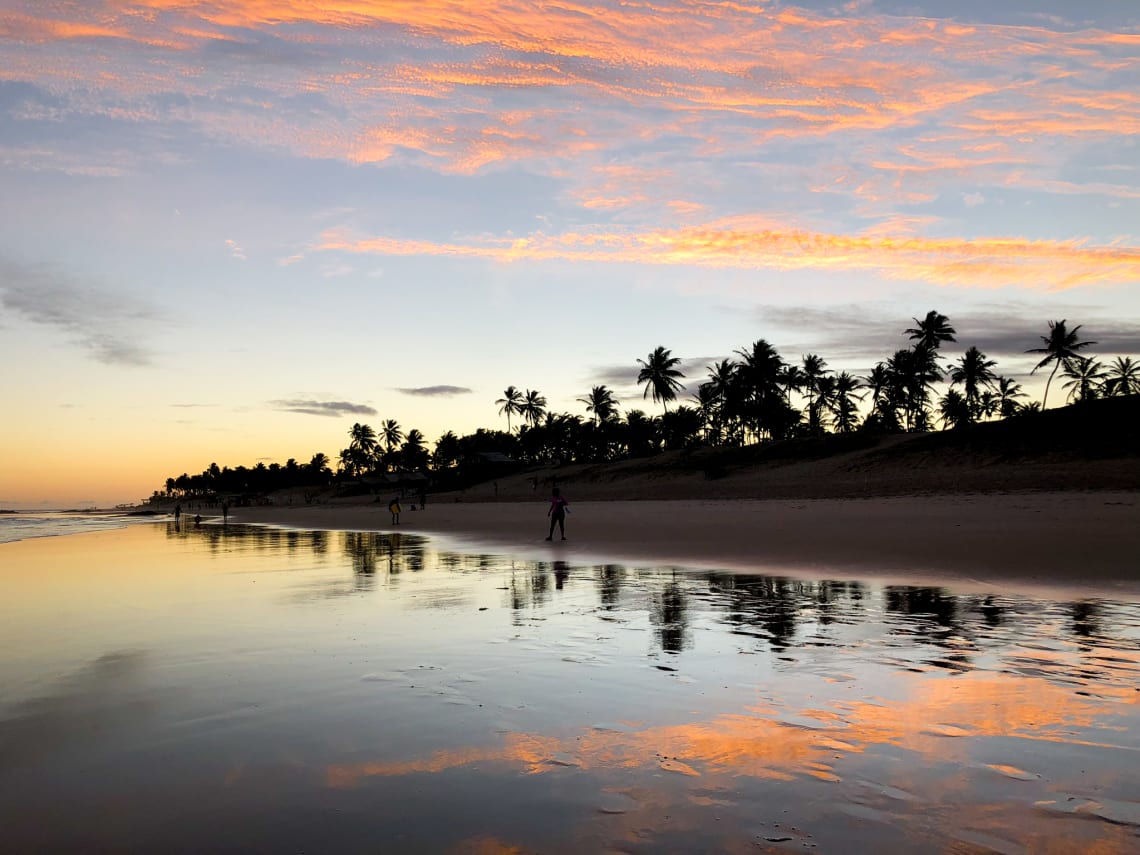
[[1050, 539]]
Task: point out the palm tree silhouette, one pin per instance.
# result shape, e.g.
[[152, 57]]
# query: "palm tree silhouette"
[[362, 445], [391, 434], [1006, 393], [601, 402], [512, 404], [932, 330], [1060, 346], [1086, 378], [659, 374], [973, 372], [533, 407], [814, 369], [842, 401], [1123, 377]]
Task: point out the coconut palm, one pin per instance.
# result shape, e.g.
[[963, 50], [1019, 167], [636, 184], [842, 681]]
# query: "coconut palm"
[[533, 407], [843, 402], [511, 404], [954, 409], [1006, 393], [813, 371], [1061, 345], [1122, 377], [391, 434], [413, 453], [1086, 378], [973, 372], [931, 331], [601, 402], [659, 374], [362, 445], [447, 452]]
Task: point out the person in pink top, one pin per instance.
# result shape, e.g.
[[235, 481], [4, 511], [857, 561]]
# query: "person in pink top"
[[559, 507]]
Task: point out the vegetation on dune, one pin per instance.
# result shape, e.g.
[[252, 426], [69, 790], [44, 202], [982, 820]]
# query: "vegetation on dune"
[[750, 401]]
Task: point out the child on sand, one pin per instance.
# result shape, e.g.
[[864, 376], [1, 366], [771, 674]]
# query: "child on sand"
[[559, 507]]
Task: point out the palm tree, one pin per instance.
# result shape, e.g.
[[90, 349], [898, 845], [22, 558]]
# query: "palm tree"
[[1006, 393], [413, 454], [814, 369], [391, 434], [601, 402], [954, 409], [533, 407], [1123, 377], [447, 451], [512, 404], [659, 375], [1060, 346], [843, 401], [931, 331], [362, 445], [973, 372], [1086, 378]]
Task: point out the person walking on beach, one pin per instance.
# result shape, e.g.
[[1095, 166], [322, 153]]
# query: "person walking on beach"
[[559, 508], [177, 512], [394, 509]]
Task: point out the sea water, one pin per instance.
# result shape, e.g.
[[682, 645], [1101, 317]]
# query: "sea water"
[[174, 687], [28, 524]]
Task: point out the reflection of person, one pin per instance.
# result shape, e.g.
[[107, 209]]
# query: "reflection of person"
[[394, 509], [559, 507]]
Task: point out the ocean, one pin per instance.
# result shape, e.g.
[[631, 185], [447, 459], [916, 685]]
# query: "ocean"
[[28, 524]]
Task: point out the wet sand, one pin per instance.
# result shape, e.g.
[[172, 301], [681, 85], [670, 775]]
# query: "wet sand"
[[1041, 539], [226, 688]]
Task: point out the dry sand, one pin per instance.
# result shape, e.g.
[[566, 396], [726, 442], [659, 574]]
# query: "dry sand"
[[1088, 540]]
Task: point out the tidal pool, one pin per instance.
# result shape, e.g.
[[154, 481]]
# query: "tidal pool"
[[242, 689]]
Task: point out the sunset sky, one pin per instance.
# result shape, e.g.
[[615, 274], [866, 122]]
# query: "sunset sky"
[[232, 228]]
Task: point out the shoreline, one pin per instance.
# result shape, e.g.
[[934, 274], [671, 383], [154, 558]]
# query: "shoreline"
[[1045, 540]]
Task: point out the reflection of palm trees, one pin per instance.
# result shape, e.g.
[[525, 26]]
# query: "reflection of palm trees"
[[670, 616], [610, 577]]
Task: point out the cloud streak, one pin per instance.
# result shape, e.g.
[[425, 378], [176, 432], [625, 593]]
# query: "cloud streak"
[[330, 409], [436, 391], [105, 324]]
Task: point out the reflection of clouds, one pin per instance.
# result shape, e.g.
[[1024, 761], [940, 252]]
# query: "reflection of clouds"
[[900, 762], [101, 697]]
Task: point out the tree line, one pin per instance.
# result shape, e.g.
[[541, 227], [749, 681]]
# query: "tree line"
[[754, 396]]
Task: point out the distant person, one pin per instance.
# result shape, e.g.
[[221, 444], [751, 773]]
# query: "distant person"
[[394, 510], [496, 483], [559, 508], [197, 520], [177, 512], [423, 499], [225, 511]]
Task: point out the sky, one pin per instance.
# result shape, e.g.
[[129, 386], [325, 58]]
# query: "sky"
[[233, 228]]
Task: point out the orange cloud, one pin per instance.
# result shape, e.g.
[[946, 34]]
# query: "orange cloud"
[[978, 263]]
